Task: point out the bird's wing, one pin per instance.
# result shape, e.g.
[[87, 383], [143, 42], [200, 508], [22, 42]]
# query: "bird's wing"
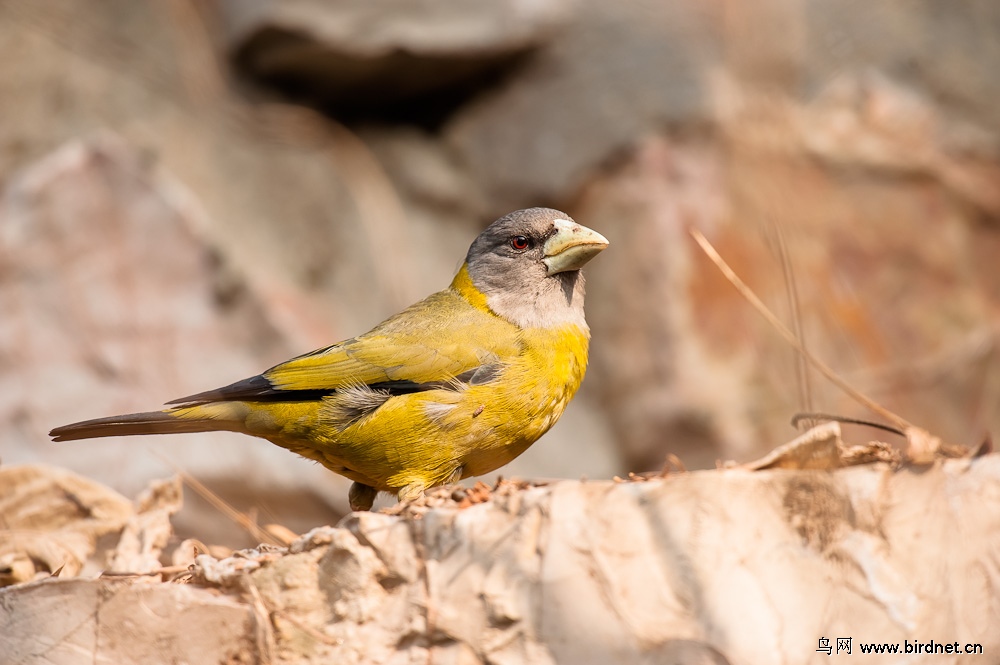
[[429, 345]]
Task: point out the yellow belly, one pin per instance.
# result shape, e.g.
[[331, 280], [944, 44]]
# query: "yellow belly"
[[428, 438]]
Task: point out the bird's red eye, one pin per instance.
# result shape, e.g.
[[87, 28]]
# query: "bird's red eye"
[[520, 243]]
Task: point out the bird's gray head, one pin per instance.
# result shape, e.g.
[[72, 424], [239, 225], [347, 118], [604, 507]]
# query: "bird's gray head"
[[527, 264]]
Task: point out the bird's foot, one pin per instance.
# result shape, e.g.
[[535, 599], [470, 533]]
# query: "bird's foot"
[[361, 497]]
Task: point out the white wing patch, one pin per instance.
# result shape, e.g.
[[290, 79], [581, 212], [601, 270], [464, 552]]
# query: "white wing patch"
[[349, 405], [437, 412]]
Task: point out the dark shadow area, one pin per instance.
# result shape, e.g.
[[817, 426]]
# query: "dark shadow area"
[[397, 87]]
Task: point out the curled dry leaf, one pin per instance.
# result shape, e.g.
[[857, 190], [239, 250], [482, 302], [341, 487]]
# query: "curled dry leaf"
[[822, 447], [52, 518], [148, 530]]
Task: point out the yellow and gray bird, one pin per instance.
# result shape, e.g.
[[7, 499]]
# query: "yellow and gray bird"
[[454, 386]]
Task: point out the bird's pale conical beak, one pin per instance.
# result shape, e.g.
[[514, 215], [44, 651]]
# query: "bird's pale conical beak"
[[571, 247]]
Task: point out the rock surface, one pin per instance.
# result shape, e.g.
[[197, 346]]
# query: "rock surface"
[[79, 620], [726, 566]]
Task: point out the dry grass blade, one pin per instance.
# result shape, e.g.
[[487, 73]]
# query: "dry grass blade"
[[799, 417], [223, 507], [790, 337], [792, 294], [165, 570], [284, 535], [266, 643], [307, 629]]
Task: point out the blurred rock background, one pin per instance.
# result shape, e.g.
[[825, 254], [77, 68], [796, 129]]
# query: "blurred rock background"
[[192, 192]]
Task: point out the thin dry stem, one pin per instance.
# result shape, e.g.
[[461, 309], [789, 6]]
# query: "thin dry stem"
[[229, 511], [265, 628], [224, 507], [790, 337], [792, 293]]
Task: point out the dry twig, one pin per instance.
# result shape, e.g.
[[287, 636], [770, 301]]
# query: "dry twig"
[[922, 446]]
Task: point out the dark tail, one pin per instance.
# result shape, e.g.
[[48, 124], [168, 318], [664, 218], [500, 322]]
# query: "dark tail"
[[152, 422]]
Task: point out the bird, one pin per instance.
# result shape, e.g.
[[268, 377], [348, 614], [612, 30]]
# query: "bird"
[[454, 386]]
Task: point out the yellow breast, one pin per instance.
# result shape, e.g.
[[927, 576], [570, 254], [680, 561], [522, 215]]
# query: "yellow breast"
[[529, 398]]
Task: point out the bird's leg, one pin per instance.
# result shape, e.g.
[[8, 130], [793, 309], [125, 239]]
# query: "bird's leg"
[[411, 492], [361, 497], [416, 489]]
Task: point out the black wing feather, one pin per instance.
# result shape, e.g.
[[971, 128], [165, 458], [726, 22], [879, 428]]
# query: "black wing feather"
[[260, 389]]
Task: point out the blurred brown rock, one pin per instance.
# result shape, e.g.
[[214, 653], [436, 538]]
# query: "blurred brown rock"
[[51, 521], [112, 292], [396, 59], [860, 142], [908, 316], [617, 73]]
